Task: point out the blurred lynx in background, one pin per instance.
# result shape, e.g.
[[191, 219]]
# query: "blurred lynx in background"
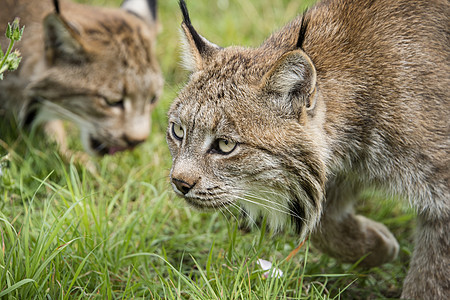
[[95, 67], [351, 94]]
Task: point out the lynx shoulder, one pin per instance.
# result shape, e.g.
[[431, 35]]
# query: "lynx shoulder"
[[350, 94], [95, 67]]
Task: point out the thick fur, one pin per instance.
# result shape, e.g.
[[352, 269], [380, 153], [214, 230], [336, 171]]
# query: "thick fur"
[[351, 94], [93, 66]]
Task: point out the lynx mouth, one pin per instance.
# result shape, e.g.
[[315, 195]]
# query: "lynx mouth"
[[101, 149], [203, 204]]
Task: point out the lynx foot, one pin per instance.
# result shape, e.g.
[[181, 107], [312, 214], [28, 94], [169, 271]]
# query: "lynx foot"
[[55, 131], [352, 237]]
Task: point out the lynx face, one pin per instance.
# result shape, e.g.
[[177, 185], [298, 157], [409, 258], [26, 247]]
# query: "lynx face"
[[95, 67], [228, 134], [244, 132]]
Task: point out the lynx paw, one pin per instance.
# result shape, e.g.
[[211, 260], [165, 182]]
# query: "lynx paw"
[[380, 243], [355, 237]]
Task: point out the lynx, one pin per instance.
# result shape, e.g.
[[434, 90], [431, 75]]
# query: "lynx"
[[353, 93], [95, 67]]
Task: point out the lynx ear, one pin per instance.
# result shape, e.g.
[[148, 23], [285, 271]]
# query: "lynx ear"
[[293, 80], [196, 49], [62, 41], [144, 9]]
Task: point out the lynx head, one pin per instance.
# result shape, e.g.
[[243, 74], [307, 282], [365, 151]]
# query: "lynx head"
[[246, 130], [99, 71]]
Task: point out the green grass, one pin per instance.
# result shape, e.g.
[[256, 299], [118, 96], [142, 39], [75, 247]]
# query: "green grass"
[[68, 234]]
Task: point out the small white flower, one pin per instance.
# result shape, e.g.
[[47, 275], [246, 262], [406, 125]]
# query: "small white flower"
[[271, 271]]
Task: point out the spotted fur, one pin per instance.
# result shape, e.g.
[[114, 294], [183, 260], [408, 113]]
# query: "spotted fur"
[[354, 93]]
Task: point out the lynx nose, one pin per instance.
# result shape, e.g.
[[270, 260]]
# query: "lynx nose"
[[182, 186]]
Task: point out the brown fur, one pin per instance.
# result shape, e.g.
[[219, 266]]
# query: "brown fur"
[[93, 66], [362, 98]]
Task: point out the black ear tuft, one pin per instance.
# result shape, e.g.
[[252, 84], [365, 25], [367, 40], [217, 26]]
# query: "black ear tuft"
[[197, 49], [184, 10], [199, 42], [56, 4], [303, 27], [152, 5]]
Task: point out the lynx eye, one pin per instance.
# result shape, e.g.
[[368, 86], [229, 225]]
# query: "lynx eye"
[[177, 131], [111, 103], [225, 146]]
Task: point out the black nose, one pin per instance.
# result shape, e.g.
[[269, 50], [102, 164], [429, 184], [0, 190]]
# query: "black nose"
[[182, 186]]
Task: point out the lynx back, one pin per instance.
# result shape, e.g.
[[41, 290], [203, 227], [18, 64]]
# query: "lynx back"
[[350, 94]]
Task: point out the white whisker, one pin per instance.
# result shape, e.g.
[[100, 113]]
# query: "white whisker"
[[230, 212], [224, 215], [277, 206], [268, 207], [280, 205], [247, 215]]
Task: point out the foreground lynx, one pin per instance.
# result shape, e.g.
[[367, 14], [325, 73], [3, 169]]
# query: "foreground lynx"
[[353, 93], [93, 66]]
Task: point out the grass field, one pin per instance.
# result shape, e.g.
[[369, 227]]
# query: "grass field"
[[68, 234]]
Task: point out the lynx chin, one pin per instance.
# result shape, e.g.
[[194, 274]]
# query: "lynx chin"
[[353, 93], [93, 66]]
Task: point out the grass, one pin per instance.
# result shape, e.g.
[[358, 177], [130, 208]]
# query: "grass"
[[68, 234]]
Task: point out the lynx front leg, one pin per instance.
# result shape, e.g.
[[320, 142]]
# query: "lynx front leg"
[[349, 237], [55, 131], [429, 272]]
